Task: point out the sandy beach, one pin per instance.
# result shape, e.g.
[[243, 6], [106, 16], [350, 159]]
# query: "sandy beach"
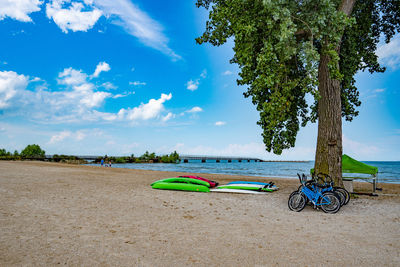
[[57, 214]]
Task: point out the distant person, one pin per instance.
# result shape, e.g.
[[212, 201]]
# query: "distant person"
[[109, 163], [102, 162]]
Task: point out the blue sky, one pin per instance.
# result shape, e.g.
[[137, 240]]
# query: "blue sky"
[[121, 77]]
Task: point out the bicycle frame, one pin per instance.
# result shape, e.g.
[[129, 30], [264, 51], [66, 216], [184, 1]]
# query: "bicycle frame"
[[321, 194], [315, 194]]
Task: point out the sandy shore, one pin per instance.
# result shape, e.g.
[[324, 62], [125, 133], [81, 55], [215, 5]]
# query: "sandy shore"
[[55, 214]]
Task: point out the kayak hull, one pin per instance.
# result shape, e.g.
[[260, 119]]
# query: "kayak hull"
[[212, 183], [237, 191], [270, 186], [248, 182], [182, 180], [253, 187], [180, 187]]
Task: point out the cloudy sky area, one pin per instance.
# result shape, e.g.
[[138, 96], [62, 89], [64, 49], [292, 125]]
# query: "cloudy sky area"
[[121, 77]]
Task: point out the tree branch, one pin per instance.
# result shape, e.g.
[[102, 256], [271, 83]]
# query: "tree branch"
[[347, 6], [303, 33]]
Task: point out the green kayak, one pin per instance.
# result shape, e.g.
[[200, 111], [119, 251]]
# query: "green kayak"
[[178, 180], [181, 186]]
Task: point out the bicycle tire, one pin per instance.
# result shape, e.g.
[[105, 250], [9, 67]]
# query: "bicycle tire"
[[333, 204], [299, 190], [297, 201], [342, 197], [345, 193]]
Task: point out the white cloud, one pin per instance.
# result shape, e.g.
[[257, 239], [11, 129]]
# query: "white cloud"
[[94, 99], [74, 17], [195, 109], [108, 86], [78, 135], [75, 100], [168, 117], [82, 91], [125, 94], [203, 74], [374, 93], [137, 83], [36, 79], [102, 66], [228, 72], [147, 111], [362, 150], [82, 16], [220, 123], [11, 84], [118, 96], [389, 54], [70, 76], [137, 23], [97, 115], [19, 9], [192, 85], [59, 137]]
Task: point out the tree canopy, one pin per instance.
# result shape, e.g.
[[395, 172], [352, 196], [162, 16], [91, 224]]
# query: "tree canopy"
[[33, 151], [278, 45]]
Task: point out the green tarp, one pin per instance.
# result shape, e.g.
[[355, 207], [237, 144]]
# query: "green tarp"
[[350, 165]]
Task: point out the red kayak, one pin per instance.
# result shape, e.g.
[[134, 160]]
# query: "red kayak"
[[212, 183]]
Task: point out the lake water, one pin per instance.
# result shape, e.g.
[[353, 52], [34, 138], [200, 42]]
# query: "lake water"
[[389, 171]]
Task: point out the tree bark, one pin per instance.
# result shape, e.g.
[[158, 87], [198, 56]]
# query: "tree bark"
[[328, 156]]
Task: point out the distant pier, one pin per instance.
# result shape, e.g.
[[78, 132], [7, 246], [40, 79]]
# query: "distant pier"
[[187, 158], [217, 159], [200, 158]]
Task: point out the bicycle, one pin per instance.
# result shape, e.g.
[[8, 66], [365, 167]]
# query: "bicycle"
[[326, 182], [320, 195]]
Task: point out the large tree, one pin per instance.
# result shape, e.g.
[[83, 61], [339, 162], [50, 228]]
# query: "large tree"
[[288, 49], [33, 152]]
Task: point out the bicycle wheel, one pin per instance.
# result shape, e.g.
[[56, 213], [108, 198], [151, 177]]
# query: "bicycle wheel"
[[329, 202], [344, 192], [297, 201], [299, 190], [342, 197]]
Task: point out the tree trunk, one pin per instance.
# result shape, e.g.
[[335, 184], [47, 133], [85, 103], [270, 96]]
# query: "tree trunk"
[[328, 156]]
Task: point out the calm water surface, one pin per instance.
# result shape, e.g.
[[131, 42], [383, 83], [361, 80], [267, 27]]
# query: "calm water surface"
[[389, 171]]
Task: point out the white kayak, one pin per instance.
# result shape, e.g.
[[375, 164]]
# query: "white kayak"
[[256, 187], [239, 191]]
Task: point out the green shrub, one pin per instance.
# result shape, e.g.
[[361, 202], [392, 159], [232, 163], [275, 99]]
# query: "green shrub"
[[33, 152], [120, 160]]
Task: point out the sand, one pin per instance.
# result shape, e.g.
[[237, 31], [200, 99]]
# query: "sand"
[[54, 214]]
